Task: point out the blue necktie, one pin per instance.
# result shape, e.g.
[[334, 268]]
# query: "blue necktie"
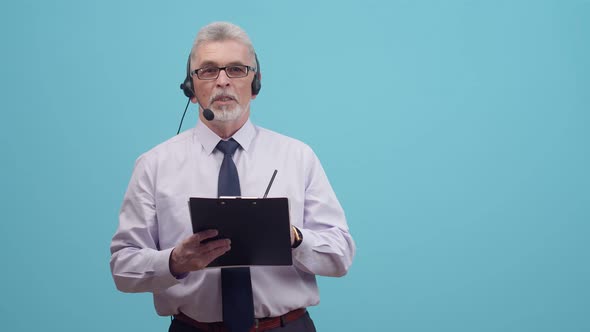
[[236, 286]]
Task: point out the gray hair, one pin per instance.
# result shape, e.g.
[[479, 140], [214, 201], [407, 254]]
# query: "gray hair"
[[221, 31]]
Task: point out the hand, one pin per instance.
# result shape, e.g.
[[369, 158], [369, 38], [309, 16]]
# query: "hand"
[[192, 254]]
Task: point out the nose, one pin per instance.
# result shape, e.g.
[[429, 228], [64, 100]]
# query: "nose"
[[223, 80]]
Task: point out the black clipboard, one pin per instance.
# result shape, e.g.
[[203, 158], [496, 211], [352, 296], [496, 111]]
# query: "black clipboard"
[[259, 229]]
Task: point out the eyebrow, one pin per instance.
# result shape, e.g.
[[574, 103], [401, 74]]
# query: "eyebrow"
[[215, 64]]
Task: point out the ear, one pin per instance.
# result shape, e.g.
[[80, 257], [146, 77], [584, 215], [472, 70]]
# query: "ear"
[[194, 99]]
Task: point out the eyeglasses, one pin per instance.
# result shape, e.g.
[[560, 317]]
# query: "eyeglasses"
[[233, 71]]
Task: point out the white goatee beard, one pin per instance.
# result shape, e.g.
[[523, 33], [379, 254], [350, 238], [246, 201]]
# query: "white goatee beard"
[[226, 113]]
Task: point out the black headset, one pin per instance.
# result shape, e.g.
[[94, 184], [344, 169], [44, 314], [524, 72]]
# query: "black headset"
[[189, 91]]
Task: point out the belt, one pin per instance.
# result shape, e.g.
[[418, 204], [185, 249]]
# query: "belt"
[[260, 324]]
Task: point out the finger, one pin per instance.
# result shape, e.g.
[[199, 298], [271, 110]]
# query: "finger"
[[213, 254], [204, 235], [210, 251], [214, 245]]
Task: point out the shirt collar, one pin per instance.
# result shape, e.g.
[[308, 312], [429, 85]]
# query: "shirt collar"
[[209, 139]]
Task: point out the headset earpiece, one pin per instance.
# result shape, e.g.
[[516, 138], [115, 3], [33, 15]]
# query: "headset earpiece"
[[187, 85], [256, 85]]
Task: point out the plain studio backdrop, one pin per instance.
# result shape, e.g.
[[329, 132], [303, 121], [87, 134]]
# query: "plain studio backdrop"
[[455, 134]]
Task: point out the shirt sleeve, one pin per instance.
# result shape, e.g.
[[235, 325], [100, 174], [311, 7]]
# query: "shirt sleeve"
[[327, 248], [137, 263]]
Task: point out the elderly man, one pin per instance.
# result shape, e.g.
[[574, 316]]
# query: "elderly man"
[[154, 248]]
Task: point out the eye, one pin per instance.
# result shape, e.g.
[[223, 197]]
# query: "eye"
[[208, 72], [237, 70]]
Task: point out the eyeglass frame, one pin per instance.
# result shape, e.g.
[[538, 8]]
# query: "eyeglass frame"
[[219, 69]]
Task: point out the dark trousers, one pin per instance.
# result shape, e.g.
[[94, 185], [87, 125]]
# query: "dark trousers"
[[303, 324]]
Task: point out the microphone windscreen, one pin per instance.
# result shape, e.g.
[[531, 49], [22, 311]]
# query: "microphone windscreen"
[[208, 114]]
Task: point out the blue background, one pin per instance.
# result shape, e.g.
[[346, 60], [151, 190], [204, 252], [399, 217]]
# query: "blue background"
[[455, 133]]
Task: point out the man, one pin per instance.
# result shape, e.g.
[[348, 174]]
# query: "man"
[[154, 249]]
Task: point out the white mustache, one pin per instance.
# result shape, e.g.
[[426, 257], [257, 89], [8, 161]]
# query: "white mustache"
[[221, 95]]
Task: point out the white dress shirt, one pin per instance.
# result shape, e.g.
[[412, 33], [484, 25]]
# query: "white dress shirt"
[[155, 217]]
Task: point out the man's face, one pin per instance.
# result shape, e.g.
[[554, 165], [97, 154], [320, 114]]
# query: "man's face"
[[228, 98]]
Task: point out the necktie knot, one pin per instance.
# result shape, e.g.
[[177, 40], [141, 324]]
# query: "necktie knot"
[[228, 147]]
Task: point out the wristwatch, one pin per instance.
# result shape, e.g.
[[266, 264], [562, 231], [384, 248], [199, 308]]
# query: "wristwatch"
[[298, 237]]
